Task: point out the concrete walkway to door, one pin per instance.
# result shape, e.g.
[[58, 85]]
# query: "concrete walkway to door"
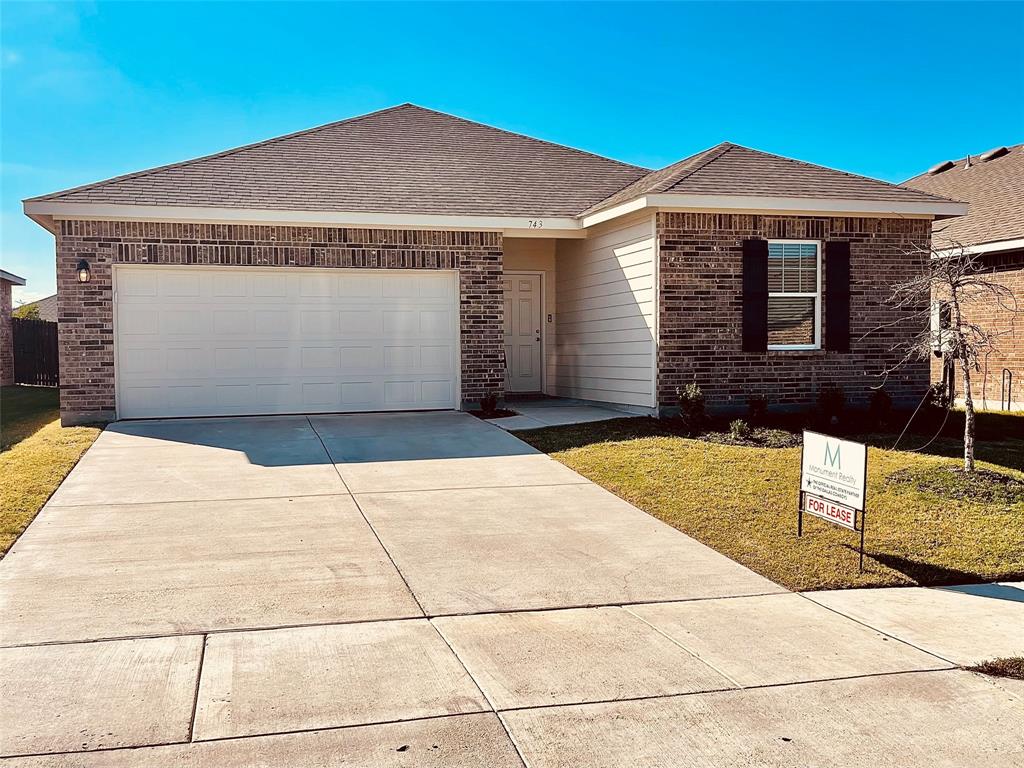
[[426, 589]]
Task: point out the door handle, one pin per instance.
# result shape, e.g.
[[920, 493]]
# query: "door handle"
[[538, 334]]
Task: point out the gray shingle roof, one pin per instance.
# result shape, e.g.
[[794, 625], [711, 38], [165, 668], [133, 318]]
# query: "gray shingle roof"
[[412, 160], [729, 169], [994, 190], [47, 308], [405, 159]]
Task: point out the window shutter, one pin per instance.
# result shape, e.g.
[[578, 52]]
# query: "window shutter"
[[755, 295], [837, 296]]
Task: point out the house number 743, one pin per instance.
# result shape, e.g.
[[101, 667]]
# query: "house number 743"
[[536, 223]]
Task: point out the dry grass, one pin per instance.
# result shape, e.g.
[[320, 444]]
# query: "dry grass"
[[36, 455], [742, 501], [1009, 667]]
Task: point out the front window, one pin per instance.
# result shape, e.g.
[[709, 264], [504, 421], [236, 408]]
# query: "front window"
[[794, 294]]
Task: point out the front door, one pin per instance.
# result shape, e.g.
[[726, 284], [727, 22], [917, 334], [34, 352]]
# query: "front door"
[[522, 332]]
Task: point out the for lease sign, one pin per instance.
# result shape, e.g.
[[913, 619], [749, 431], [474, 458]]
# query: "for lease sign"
[[834, 469], [828, 510]]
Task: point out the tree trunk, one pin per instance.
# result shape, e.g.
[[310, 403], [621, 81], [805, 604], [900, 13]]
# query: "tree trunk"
[[968, 420]]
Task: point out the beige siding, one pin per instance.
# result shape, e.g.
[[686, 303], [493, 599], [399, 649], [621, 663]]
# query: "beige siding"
[[606, 310]]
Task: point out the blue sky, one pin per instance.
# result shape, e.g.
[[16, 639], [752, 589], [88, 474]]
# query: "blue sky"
[[94, 90]]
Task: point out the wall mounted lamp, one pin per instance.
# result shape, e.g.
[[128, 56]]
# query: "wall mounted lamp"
[[84, 274]]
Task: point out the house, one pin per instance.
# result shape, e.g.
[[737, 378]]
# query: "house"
[[7, 281], [45, 307], [409, 259], [992, 183]]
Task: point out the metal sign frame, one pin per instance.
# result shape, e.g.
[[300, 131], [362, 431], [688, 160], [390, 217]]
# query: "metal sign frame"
[[863, 512]]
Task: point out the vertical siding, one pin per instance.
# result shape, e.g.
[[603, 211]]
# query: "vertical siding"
[[606, 302]]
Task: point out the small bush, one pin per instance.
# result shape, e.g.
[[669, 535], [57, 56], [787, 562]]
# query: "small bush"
[[489, 404], [757, 409], [739, 430], [692, 408], [937, 397], [879, 408], [831, 401]]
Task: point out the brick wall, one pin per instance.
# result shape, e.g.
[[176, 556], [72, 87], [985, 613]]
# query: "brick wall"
[[700, 313], [6, 336], [1006, 269], [85, 311]]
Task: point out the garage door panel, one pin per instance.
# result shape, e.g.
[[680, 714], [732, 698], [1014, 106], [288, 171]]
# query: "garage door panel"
[[242, 341]]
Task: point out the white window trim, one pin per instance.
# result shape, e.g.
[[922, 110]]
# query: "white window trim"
[[801, 295]]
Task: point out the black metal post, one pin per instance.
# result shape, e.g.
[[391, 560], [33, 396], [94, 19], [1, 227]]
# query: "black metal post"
[[800, 514], [863, 519]]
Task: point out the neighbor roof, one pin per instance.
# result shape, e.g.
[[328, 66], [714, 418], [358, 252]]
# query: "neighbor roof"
[[411, 160], [729, 169], [47, 308], [405, 159], [995, 191], [10, 277]]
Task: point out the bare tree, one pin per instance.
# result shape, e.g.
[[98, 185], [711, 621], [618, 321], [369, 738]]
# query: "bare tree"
[[941, 302]]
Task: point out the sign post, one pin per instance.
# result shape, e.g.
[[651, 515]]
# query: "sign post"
[[833, 483]]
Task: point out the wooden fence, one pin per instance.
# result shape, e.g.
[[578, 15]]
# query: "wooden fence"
[[35, 352]]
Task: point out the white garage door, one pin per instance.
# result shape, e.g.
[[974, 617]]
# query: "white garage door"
[[210, 341]]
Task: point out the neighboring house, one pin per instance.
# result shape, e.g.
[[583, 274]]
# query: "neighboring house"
[[7, 281], [47, 308], [992, 184], [408, 259]]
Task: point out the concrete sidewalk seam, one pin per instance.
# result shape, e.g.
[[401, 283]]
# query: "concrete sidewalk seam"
[[199, 682], [373, 530], [716, 691], [480, 688], [879, 631], [49, 505], [302, 625], [677, 643]]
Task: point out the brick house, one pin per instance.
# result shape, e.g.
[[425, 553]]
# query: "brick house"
[[7, 281], [992, 184], [408, 259]]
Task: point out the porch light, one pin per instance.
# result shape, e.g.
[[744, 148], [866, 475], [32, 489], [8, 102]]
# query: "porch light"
[[84, 274]]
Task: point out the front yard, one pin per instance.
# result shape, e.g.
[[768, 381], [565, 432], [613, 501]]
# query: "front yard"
[[742, 501], [36, 454]]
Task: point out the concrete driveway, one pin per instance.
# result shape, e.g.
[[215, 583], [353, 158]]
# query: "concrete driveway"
[[425, 589]]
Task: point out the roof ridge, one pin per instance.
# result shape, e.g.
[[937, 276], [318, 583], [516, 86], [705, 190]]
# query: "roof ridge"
[[575, 150], [713, 153], [844, 173], [222, 153]]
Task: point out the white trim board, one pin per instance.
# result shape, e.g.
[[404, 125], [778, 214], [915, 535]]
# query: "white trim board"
[[779, 205], [45, 212]]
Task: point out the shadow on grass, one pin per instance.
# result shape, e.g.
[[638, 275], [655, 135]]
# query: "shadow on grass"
[[929, 574], [24, 411]]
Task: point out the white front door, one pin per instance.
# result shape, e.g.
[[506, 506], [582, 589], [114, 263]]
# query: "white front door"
[[224, 341], [522, 332]]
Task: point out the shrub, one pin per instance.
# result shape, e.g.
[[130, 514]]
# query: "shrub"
[[937, 397], [831, 401], [879, 407], [757, 409], [692, 412], [739, 430], [489, 403], [26, 312]]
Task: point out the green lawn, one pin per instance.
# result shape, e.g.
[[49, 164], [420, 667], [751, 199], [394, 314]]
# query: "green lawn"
[[36, 454], [742, 501]]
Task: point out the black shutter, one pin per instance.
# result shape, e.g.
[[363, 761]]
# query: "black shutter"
[[837, 296], [755, 295]]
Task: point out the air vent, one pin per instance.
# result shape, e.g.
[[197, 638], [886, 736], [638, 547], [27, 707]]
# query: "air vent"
[[940, 167], [992, 154]]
